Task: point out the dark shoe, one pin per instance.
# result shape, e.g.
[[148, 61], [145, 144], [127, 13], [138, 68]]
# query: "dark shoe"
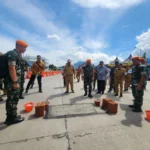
[[125, 90], [1, 99], [72, 91], [90, 96], [40, 91], [66, 92], [121, 95], [21, 96], [98, 92], [137, 110], [85, 94], [102, 92], [18, 119], [132, 106], [116, 95]]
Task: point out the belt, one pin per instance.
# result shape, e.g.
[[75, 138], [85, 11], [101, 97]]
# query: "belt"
[[69, 75]]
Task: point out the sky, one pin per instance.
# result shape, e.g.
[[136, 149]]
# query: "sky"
[[76, 29]]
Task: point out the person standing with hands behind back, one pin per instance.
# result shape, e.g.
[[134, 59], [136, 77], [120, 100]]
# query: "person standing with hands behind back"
[[88, 77], [37, 69], [69, 72]]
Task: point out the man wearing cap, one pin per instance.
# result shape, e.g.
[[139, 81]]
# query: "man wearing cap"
[[12, 82], [88, 76], [112, 77], [102, 71], [69, 72], [24, 68], [119, 77], [138, 81], [37, 69]]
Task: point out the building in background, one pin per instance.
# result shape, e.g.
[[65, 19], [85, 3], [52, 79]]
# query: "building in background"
[[32, 59]]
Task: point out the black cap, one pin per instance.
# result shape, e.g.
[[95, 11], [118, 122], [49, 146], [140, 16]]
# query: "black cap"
[[101, 62]]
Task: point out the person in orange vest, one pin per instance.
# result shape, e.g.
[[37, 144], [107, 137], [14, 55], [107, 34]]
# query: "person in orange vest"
[[37, 69]]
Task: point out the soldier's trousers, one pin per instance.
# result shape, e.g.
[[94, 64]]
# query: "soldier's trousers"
[[138, 95], [12, 101], [22, 86], [87, 83], [69, 80], [94, 82], [111, 84], [117, 84]]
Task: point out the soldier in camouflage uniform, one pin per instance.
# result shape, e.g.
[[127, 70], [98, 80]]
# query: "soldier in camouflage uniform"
[[1, 85], [138, 80], [143, 62], [88, 76], [12, 83], [95, 79], [24, 68]]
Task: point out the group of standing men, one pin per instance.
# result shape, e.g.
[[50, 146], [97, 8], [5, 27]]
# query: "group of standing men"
[[15, 77], [135, 76]]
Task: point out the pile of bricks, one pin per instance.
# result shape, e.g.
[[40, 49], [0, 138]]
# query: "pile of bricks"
[[40, 108], [109, 106]]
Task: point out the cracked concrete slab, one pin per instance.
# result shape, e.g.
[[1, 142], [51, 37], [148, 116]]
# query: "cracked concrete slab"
[[46, 143], [71, 110]]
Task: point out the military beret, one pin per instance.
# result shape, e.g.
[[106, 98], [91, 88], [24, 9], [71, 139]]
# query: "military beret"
[[136, 58], [88, 60], [142, 59], [22, 43]]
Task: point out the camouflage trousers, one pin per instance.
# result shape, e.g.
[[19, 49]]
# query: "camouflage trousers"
[[12, 101], [138, 96], [22, 85], [87, 83]]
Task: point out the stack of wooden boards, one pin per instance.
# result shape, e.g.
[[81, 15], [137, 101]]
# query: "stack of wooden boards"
[[109, 106], [40, 108]]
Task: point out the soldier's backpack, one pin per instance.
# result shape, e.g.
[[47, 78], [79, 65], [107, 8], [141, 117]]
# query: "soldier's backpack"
[[3, 66]]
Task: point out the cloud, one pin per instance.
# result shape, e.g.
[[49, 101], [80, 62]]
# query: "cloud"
[[56, 52], [93, 44], [109, 4], [143, 44], [55, 37]]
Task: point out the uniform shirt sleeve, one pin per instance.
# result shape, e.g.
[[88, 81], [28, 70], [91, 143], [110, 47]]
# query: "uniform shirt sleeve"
[[12, 59], [143, 70]]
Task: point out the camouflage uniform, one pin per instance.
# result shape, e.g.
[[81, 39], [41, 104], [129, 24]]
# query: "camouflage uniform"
[[88, 75], [137, 72], [12, 95], [95, 80], [1, 88], [24, 66]]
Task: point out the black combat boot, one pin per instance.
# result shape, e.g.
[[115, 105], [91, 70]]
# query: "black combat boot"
[[21, 96], [1, 99], [85, 94], [90, 95], [121, 95], [40, 91], [13, 120], [137, 109]]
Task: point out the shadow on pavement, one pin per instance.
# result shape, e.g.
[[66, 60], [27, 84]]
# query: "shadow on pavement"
[[23, 112], [2, 126], [31, 117], [111, 96], [79, 98], [132, 118], [56, 95], [30, 93]]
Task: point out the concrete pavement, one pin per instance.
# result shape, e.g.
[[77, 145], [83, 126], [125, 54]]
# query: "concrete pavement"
[[92, 131]]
